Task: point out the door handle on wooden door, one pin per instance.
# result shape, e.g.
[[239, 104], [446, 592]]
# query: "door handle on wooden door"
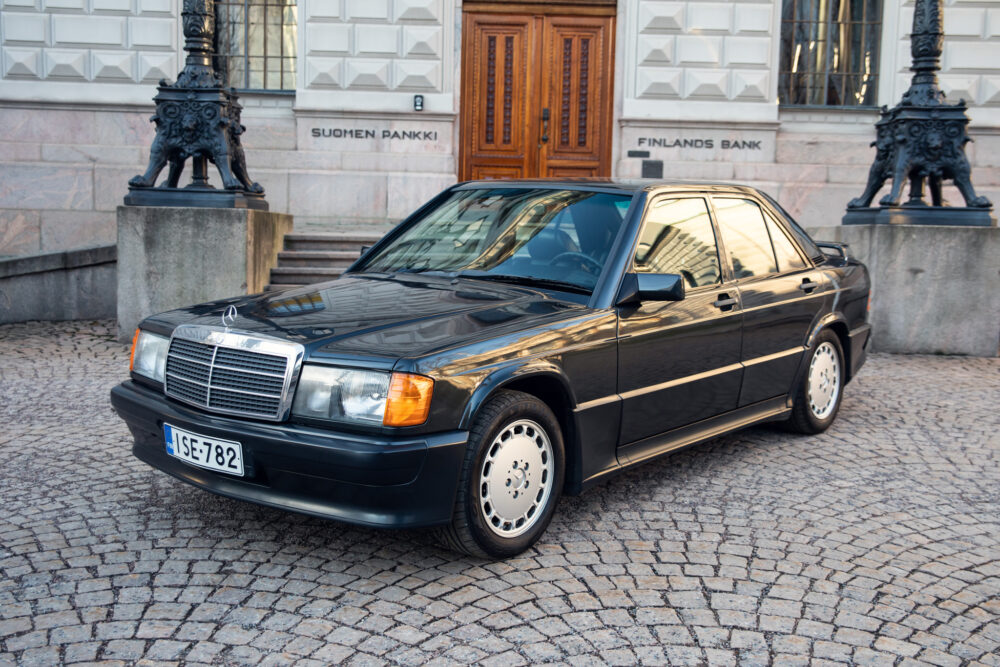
[[545, 125]]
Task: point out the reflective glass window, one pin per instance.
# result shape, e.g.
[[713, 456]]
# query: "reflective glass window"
[[255, 43], [677, 237], [745, 237], [829, 52], [788, 257]]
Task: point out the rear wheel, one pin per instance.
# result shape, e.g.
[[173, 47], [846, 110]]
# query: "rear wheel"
[[511, 478], [817, 399]]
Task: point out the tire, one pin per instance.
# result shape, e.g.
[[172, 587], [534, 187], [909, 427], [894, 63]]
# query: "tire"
[[511, 478], [817, 398]]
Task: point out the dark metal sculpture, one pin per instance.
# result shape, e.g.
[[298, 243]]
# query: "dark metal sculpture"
[[198, 119], [921, 141]]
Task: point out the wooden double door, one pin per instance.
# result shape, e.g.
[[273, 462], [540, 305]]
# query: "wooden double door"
[[536, 92]]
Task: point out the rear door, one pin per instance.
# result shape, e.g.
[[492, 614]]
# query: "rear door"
[[679, 361], [780, 290]]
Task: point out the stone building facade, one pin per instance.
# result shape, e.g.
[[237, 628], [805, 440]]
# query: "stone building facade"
[[373, 106]]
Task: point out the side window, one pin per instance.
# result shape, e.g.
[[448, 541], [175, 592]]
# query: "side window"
[[677, 237], [744, 234], [788, 257]]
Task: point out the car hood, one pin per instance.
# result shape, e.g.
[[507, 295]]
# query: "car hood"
[[378, 318]]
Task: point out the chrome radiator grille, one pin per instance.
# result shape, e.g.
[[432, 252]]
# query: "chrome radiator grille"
[[227, 372]]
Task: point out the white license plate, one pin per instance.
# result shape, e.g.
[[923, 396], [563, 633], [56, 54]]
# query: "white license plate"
[[204, 451]]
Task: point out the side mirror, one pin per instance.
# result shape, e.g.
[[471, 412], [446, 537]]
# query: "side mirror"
[[651, 287]]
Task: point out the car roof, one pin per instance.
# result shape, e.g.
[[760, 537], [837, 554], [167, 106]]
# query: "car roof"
[[623, 185]]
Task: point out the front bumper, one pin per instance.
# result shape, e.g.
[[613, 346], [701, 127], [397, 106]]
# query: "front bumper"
[[374, 481]]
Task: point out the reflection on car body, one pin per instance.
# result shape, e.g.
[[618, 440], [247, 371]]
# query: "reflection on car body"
[[507, 343]]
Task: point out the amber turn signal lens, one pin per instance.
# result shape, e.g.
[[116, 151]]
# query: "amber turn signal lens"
[[409, 400], [131, 357]]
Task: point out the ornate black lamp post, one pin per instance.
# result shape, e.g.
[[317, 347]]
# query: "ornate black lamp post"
[[921, 140], [197, 118]]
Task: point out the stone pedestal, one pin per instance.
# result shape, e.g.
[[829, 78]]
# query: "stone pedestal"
[[921, 215], [935, 289], [174, 257]]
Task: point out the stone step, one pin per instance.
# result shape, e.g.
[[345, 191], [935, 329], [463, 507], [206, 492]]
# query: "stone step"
[[318, 258], [304, 275], [330, 242]]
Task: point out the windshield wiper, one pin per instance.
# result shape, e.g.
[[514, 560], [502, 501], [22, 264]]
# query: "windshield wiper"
[[528, 281]]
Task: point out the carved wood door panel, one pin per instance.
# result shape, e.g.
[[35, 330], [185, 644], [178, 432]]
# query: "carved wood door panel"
[[536, 95]]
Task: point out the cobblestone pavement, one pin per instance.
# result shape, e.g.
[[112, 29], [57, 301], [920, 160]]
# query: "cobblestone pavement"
[[875, 543]]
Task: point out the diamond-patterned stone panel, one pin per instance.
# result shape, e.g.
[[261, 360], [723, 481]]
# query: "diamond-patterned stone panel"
[[960, 87], [705, 83], [324, 72], [969, 55], [62, 5], [21, 62], [114, 65], [152, 33], [376, 40], [328, 38], [417, 74], [747, 51], [714, 16], [964, 21], [698, 49], [156, 66], [156, 6], [21, 28], [752, 18], [665, 16], [368, 9], [991, 90], [751, 85], [65, 64], [325, 9], [120, 6], [367, 73], [656, 49], [653, 82], [418, 10], [421, 41], [97, 30]]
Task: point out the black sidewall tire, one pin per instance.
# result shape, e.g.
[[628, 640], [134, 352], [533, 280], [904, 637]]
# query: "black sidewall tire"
[[803, 419], [526, 407]]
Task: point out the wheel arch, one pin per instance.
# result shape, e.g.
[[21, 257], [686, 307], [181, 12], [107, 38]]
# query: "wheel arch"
[[837, 323], [546, 383]]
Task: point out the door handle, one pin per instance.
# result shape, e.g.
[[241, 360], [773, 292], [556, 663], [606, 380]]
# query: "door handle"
[[808, 285], [545, 125], [724, 302]]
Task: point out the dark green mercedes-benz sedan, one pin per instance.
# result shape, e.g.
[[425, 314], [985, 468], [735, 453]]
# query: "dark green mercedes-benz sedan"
[[507, 343]]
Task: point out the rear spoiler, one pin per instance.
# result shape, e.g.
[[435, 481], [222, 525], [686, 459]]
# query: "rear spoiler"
[[841, 249]]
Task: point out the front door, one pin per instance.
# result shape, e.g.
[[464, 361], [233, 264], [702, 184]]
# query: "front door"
[[678, 361], [536, 93]]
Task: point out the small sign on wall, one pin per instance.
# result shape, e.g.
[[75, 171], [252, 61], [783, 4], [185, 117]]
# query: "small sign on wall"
[[692, 144], [360, 135]]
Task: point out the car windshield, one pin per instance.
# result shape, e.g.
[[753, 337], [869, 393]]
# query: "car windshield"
[[550, 238]]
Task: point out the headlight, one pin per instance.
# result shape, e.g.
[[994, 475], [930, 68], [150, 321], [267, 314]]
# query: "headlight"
[[366, 397], [149, 354]]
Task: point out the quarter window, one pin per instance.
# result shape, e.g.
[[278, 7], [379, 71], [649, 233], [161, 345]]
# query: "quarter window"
[[784, 250], [744, 234], [255, 43], [677, 237]]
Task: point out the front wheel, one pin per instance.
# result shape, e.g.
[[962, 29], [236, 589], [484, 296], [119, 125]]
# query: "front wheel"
[[817, 398], [511, 478]]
